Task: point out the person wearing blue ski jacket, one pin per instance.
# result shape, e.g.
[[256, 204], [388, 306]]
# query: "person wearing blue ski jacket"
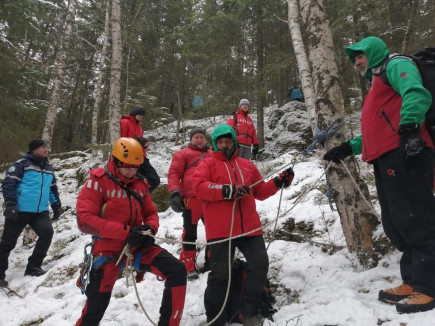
[[28, 188]]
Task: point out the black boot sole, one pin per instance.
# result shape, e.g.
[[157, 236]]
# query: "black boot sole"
[[413, 308], [390, 298]]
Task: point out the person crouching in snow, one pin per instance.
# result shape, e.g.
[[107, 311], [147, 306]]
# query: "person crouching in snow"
[[115, 207], [219, 181]]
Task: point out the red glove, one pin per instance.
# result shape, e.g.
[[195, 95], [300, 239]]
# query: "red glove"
[[285, 178]]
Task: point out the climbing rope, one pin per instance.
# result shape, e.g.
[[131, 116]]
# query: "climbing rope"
[[126, 250], [321, 137], [129, 273]]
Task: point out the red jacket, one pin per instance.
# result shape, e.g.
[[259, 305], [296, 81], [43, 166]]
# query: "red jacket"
[[244, 128], [183, 165], [207, 181], [130, 128], [380, 119], [105, 210]]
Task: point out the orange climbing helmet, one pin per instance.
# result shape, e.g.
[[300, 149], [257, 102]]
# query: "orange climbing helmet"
[[128, 151]]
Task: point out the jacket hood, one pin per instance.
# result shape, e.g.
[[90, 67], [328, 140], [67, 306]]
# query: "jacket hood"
[[240, 111], [221, 130], [373, 47], [129, 117]]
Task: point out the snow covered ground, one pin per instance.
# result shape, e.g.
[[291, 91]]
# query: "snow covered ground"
[[313, 287]]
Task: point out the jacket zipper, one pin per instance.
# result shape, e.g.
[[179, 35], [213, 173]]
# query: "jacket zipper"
[[383, 114], [240, 204], [40, 193]]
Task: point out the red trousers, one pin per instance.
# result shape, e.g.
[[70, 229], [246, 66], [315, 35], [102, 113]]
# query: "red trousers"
[[151, 259]]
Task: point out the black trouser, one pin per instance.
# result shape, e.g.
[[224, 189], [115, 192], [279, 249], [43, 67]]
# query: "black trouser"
[[147, 170], [40, 223], [254, 250], [405, 190]]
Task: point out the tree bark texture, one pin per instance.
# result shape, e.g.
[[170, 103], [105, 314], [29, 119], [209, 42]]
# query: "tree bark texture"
[[50, 119], [98, 90], [261, 103], [356, 216], [302, 60], [115, 73], [410, 28]]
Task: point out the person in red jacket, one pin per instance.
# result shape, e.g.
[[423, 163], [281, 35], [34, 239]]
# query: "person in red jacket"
[[245, 130], [221, 180], [182, 197], [131, 128], [396, 141], [115, 207]]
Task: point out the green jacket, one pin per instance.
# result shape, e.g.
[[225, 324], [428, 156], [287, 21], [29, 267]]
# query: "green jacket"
[[416, 99]]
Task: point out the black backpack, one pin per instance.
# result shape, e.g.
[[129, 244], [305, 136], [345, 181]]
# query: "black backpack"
[[238, 277], [425, 61]]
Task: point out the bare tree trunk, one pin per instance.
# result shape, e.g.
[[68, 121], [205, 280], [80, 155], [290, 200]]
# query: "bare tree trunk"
[[356, 216], [411, 25], [302, 60], [115, 73], [98, 92], [50, 119], [180, 115], [260, 75]]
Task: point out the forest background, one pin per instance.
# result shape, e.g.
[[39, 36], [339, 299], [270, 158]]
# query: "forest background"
[[172, 50]]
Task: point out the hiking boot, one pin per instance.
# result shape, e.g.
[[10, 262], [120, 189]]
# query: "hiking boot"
[[192, 275], [256, 320], [394, 295], [3, 283], [34, 271], [415, 302]]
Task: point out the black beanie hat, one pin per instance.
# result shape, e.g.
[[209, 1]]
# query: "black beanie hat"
[[195, 131], [137, 110], [35, 144]]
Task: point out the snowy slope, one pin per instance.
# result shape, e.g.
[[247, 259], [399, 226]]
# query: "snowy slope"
[[313, 287]]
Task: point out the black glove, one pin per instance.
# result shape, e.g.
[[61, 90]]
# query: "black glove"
[[136, 238], [338, 153], [255, 149], [235, 191], [57, 211], [176, 202], [11, 211], [410, 142], [285, 178]]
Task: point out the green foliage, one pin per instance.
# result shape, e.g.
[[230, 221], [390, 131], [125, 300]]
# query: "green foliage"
[[172, 51], [160, 197]]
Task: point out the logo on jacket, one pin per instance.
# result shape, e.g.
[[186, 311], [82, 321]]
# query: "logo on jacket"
[[11, 169], [391, 172], [403, 75]]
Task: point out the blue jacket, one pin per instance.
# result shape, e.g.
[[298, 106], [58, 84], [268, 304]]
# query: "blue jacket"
[[295, 93], [30, 182]]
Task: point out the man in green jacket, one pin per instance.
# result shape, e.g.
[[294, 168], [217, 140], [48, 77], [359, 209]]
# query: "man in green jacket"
[[395, 140]]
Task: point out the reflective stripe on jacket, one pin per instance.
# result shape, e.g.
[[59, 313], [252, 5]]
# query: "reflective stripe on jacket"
[[244, 127], [30, 182], [105, 210]]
